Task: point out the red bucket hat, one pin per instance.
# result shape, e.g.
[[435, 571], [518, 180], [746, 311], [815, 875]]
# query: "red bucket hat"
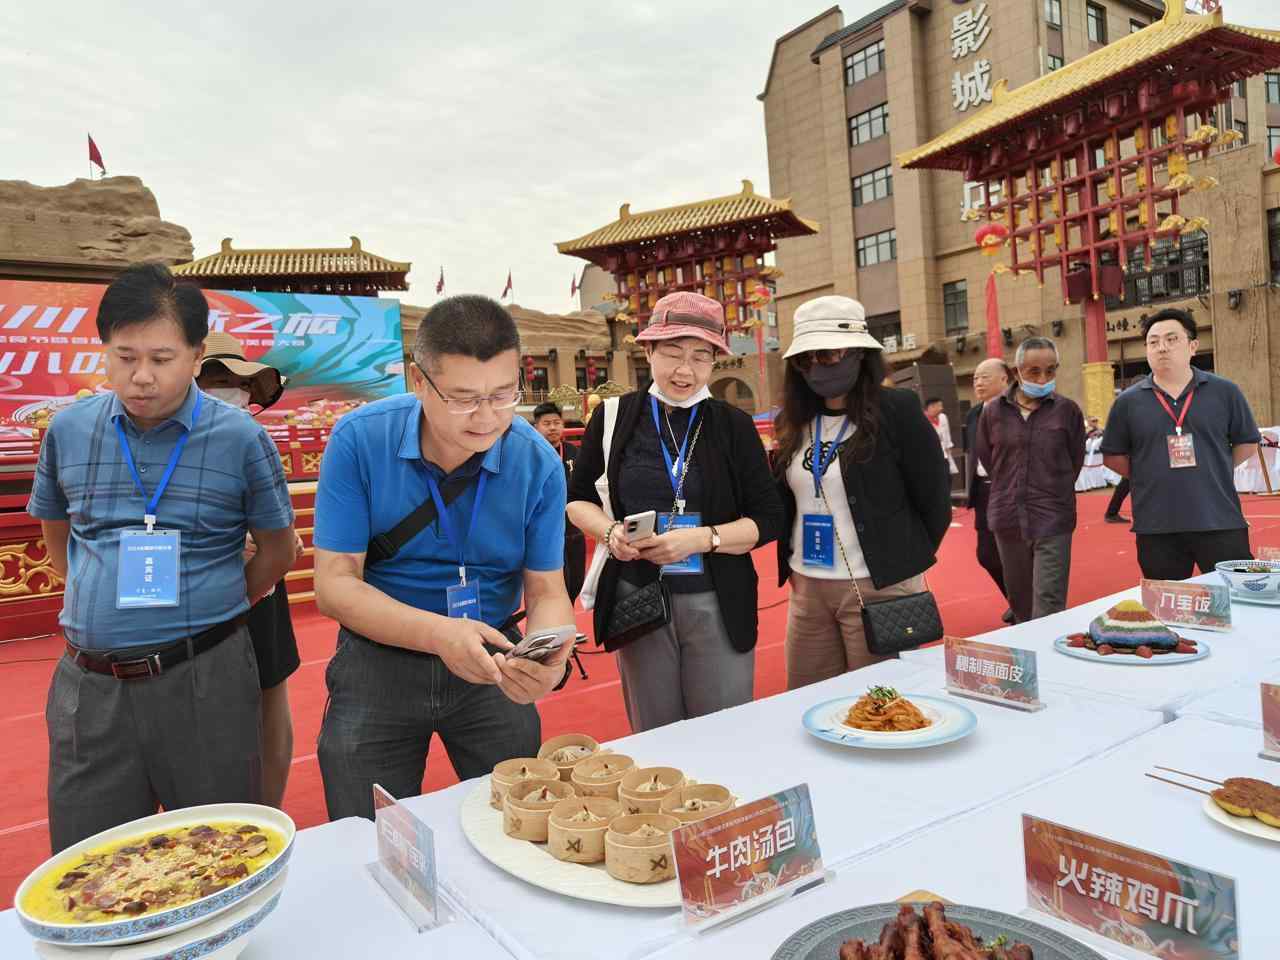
[[686, 314]]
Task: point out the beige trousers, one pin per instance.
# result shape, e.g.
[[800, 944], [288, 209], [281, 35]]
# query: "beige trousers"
[[824, 626]]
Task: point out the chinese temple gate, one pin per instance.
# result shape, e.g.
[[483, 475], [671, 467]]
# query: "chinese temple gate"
[[1082, 170], [713, 247], [342, 271]]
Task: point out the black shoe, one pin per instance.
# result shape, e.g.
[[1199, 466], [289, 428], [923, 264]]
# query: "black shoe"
[[1007, 616], [1115, 518]]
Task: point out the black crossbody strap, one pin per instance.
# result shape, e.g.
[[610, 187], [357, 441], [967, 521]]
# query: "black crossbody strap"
[[386, 545]]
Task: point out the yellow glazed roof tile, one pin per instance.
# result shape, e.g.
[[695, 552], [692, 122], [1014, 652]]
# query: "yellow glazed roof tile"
[[229, 262]]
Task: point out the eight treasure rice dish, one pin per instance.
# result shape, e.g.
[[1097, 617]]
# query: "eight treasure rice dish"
[[1129, 628]]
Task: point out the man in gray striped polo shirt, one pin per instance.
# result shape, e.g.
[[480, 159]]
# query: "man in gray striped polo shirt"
[[145, 494]]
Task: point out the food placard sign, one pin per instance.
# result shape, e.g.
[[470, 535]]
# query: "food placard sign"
[[988, 671], [1147, 902], [406, 864], [1269, 553], [1206, 606], [1271, 721], [748, 856]]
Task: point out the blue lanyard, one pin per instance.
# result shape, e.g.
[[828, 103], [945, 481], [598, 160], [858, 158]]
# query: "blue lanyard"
[[447, 526], [820, 463], [674, 470], [150, 516]]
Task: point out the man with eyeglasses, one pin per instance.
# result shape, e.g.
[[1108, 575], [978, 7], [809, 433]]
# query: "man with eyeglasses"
[[435, 511], [1178, 435]]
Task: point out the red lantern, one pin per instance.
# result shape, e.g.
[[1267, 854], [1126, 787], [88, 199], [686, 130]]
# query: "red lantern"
[[528, 370], [1276, 156], [990, 237], [591, 372]]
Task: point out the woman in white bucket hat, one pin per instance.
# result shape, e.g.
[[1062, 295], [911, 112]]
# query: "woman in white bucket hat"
[[864, 483]]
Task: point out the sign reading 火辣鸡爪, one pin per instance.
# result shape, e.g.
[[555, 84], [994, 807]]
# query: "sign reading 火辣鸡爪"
[[1147, 902], [1206, 606], [988, 671]]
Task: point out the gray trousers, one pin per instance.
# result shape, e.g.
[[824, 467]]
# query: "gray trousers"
[[1036, 574], [685, 669], [118, 749]]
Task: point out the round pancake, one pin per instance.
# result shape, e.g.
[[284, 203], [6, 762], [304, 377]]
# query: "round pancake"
[[1236, 801]]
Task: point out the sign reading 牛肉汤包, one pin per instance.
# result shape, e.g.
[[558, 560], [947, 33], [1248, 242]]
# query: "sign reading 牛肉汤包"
[[988, 671], [1206, 606], [1147, 902], [747, 856], [406, 864], [1271, 721]]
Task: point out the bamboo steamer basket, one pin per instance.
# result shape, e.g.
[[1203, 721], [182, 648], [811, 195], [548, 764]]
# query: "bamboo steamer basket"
[[525, 818], [510, 772], [640, 859], [635, 800], [717, 799], [568, 740], [580, 842], [600, 775]]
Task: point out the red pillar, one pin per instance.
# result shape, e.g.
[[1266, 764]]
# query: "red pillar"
[[1095, 330]]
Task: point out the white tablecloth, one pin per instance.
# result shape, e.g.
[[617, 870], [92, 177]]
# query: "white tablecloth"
[[1250, 646], [1239, 704], [863, 800], [331, 907], [1249, 477], [977, 859]]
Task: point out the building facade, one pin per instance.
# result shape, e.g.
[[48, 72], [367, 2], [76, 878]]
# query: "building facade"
[[842, 101]]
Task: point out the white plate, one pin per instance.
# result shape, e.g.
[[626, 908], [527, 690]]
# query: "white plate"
[[1248, 825], [950, 721], [151, 926], [1131, 659], [532, 863]]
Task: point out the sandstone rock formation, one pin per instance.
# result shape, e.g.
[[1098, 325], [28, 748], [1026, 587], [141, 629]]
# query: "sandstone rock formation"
[[115, 219]]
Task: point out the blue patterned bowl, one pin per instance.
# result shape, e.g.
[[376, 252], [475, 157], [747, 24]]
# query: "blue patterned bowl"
[[1261, 581], [153, 925]]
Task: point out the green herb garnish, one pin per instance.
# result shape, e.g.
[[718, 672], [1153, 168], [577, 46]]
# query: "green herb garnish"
[[883, 694]]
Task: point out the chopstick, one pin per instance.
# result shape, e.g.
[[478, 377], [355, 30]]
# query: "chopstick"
[[1216, 783], [1177, 784]]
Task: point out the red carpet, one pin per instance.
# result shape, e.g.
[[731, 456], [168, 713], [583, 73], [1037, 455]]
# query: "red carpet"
[[1102, 562]]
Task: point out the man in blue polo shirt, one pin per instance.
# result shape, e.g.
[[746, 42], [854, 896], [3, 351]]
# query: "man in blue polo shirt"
[[145, 494], [420, 651], [1178, 435]]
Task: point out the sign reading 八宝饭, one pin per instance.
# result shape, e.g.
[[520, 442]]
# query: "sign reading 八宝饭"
[[988, 671], [1149, 903], [745, 856], [1206, 606]]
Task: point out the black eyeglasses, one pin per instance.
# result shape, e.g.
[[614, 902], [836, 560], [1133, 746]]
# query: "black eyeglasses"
[[824, 358]]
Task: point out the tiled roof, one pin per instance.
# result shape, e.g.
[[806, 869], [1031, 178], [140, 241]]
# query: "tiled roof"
[[1135, 51], [857, 26], [686, 218], [348, 261]]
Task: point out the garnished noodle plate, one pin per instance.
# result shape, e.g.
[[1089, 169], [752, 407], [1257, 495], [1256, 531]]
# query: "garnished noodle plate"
[[884, 710]]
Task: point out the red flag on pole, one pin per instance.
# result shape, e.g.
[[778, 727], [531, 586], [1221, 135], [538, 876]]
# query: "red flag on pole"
[[507, 288], [573, 286], [440, 282], [95, 155], [995, 343]]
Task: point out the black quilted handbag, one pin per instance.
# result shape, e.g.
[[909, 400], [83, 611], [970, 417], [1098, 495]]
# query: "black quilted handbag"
[[902, 623], [639, 613]]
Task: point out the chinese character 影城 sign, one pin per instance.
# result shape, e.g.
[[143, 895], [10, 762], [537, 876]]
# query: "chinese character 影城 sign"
[[969, 31]]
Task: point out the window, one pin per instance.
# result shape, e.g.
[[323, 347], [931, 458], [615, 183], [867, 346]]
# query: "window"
[[539, 381], [1240, 89], [1176, 272], [1273, 140], [875, 185], [1055, 62], [1273, 87], [1242, 128], [955, 307], [1273, 238], [885, 325], [1096, 17], [1053, 13], [864, 63], [868, 125], [1136, 25], [878, 248]]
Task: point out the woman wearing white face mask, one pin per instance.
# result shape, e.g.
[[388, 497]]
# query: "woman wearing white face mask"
[[699, 464], [226, 375]]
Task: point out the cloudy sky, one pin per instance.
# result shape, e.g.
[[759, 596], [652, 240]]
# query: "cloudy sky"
[[472, 135]]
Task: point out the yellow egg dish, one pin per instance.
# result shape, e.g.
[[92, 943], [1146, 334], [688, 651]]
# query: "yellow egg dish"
[[151, 872]]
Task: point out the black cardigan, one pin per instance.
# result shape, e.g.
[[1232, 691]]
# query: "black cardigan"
[[737, 481], [900, 497]]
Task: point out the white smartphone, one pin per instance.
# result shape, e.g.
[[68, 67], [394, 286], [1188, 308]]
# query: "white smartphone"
[[640, 525]]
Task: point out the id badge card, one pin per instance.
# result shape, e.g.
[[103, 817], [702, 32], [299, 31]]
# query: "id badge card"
[[463, 600], [1182, 451], [819, 532], [681, 521], [147, 574]]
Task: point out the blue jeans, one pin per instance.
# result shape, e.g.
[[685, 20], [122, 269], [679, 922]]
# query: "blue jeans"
[[384, 706]]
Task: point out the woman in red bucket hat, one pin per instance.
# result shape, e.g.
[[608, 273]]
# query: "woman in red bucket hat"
[[678, 606]]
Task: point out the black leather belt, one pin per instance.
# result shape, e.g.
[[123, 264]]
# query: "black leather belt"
[[123, 667]]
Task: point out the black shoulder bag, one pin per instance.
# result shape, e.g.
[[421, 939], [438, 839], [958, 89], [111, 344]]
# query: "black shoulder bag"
[[386, 545]]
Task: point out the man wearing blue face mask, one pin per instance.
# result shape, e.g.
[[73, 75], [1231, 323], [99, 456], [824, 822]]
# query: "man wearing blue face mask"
[[1031, 443]]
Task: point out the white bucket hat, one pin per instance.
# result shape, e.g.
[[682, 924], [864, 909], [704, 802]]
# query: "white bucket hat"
[[830, 323]]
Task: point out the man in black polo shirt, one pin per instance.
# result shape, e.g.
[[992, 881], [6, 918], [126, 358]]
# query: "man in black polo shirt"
[[1178, 435], [548, 420]]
